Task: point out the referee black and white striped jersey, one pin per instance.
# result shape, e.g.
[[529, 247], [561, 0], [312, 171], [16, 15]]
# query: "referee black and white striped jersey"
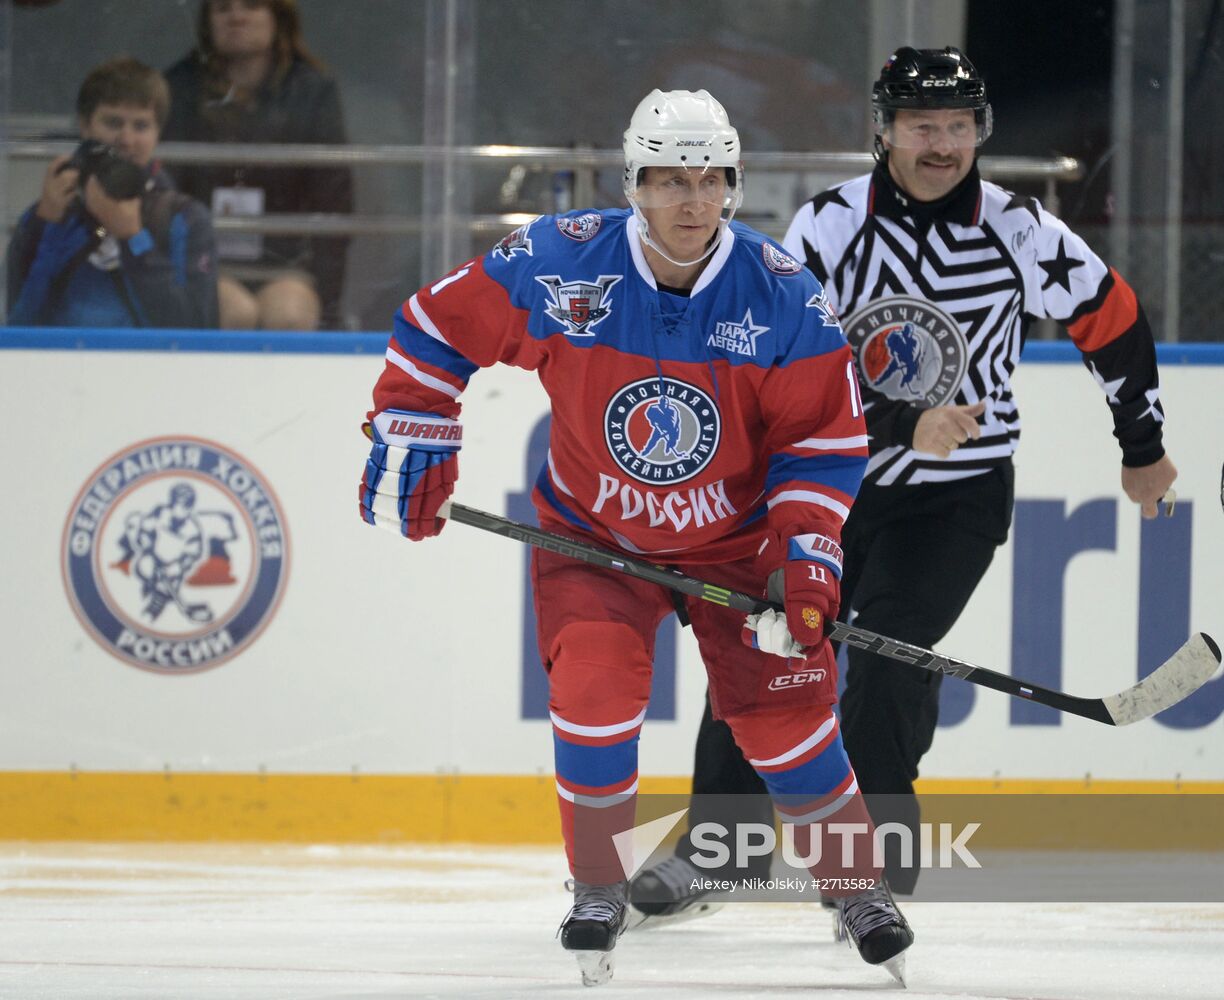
[[936, 300]]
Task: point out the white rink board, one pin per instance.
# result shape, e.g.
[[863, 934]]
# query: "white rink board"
[[391, 657]]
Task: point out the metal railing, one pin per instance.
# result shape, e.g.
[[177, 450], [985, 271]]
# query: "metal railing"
[[584, 161], [315, 154]]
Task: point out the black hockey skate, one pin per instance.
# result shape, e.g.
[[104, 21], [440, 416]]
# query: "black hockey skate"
[[872, 921], [592, 926], [664, 894]]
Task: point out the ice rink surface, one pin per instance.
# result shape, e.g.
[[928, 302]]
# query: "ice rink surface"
[[255, 922]]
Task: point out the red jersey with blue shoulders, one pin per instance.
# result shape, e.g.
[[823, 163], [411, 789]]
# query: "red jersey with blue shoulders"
[[680, 424]]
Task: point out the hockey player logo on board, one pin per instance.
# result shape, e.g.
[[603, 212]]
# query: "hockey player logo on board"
[[175, 554], [165, 549]]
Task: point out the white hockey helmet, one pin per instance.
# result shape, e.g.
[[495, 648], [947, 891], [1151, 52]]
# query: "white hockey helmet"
[[682, 128]]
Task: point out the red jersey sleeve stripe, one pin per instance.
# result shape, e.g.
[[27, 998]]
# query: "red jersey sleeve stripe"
[[418, 371], [854, 445], [834, 501], [421, 319]]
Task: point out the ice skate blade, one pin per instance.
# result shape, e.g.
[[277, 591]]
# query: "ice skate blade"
[[896, 966], [636, 919], [595, 966]]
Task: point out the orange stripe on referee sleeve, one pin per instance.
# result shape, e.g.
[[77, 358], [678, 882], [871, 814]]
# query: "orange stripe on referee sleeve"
[[1116, 315]]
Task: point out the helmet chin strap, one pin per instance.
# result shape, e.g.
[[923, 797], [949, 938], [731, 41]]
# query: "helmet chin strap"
[[644, 233]]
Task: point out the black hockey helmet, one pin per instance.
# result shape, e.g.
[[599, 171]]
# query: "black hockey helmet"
[[930, 79]]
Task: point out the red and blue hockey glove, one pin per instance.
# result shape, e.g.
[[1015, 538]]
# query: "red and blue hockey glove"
[[808, 584], [411, 471]]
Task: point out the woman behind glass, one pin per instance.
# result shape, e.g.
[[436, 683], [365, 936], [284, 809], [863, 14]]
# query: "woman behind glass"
[[252, 79]]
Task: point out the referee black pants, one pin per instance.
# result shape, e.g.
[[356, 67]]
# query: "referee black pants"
[[913, 557]]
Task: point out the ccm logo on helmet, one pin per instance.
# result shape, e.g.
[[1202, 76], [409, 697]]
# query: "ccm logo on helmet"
[[939, 82]]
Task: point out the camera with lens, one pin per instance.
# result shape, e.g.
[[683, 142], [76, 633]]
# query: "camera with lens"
[[120, 178]]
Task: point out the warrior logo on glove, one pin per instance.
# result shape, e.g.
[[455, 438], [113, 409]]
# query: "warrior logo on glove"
[[411, 471]]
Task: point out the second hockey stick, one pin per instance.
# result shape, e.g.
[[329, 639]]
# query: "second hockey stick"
[[1177, 678]]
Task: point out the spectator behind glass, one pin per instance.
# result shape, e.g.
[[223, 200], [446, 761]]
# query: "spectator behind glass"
[[252, 79], [84, 257]]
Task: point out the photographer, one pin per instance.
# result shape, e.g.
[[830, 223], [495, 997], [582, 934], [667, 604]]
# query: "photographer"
[[110, 243]]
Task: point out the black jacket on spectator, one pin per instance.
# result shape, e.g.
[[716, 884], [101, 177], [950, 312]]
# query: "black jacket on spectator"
[[301, 106]]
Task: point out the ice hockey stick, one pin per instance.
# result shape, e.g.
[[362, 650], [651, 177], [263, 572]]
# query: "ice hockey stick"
[[1177, 678]]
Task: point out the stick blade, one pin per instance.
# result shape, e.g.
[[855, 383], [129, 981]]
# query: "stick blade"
[[1177, 678]]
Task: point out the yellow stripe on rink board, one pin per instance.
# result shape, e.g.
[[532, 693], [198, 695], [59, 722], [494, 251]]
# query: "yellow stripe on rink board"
[[1063, 786], [502, 809], [331, 808]]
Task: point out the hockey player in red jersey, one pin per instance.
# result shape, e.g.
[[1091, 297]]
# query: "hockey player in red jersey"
[[705, 412]]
